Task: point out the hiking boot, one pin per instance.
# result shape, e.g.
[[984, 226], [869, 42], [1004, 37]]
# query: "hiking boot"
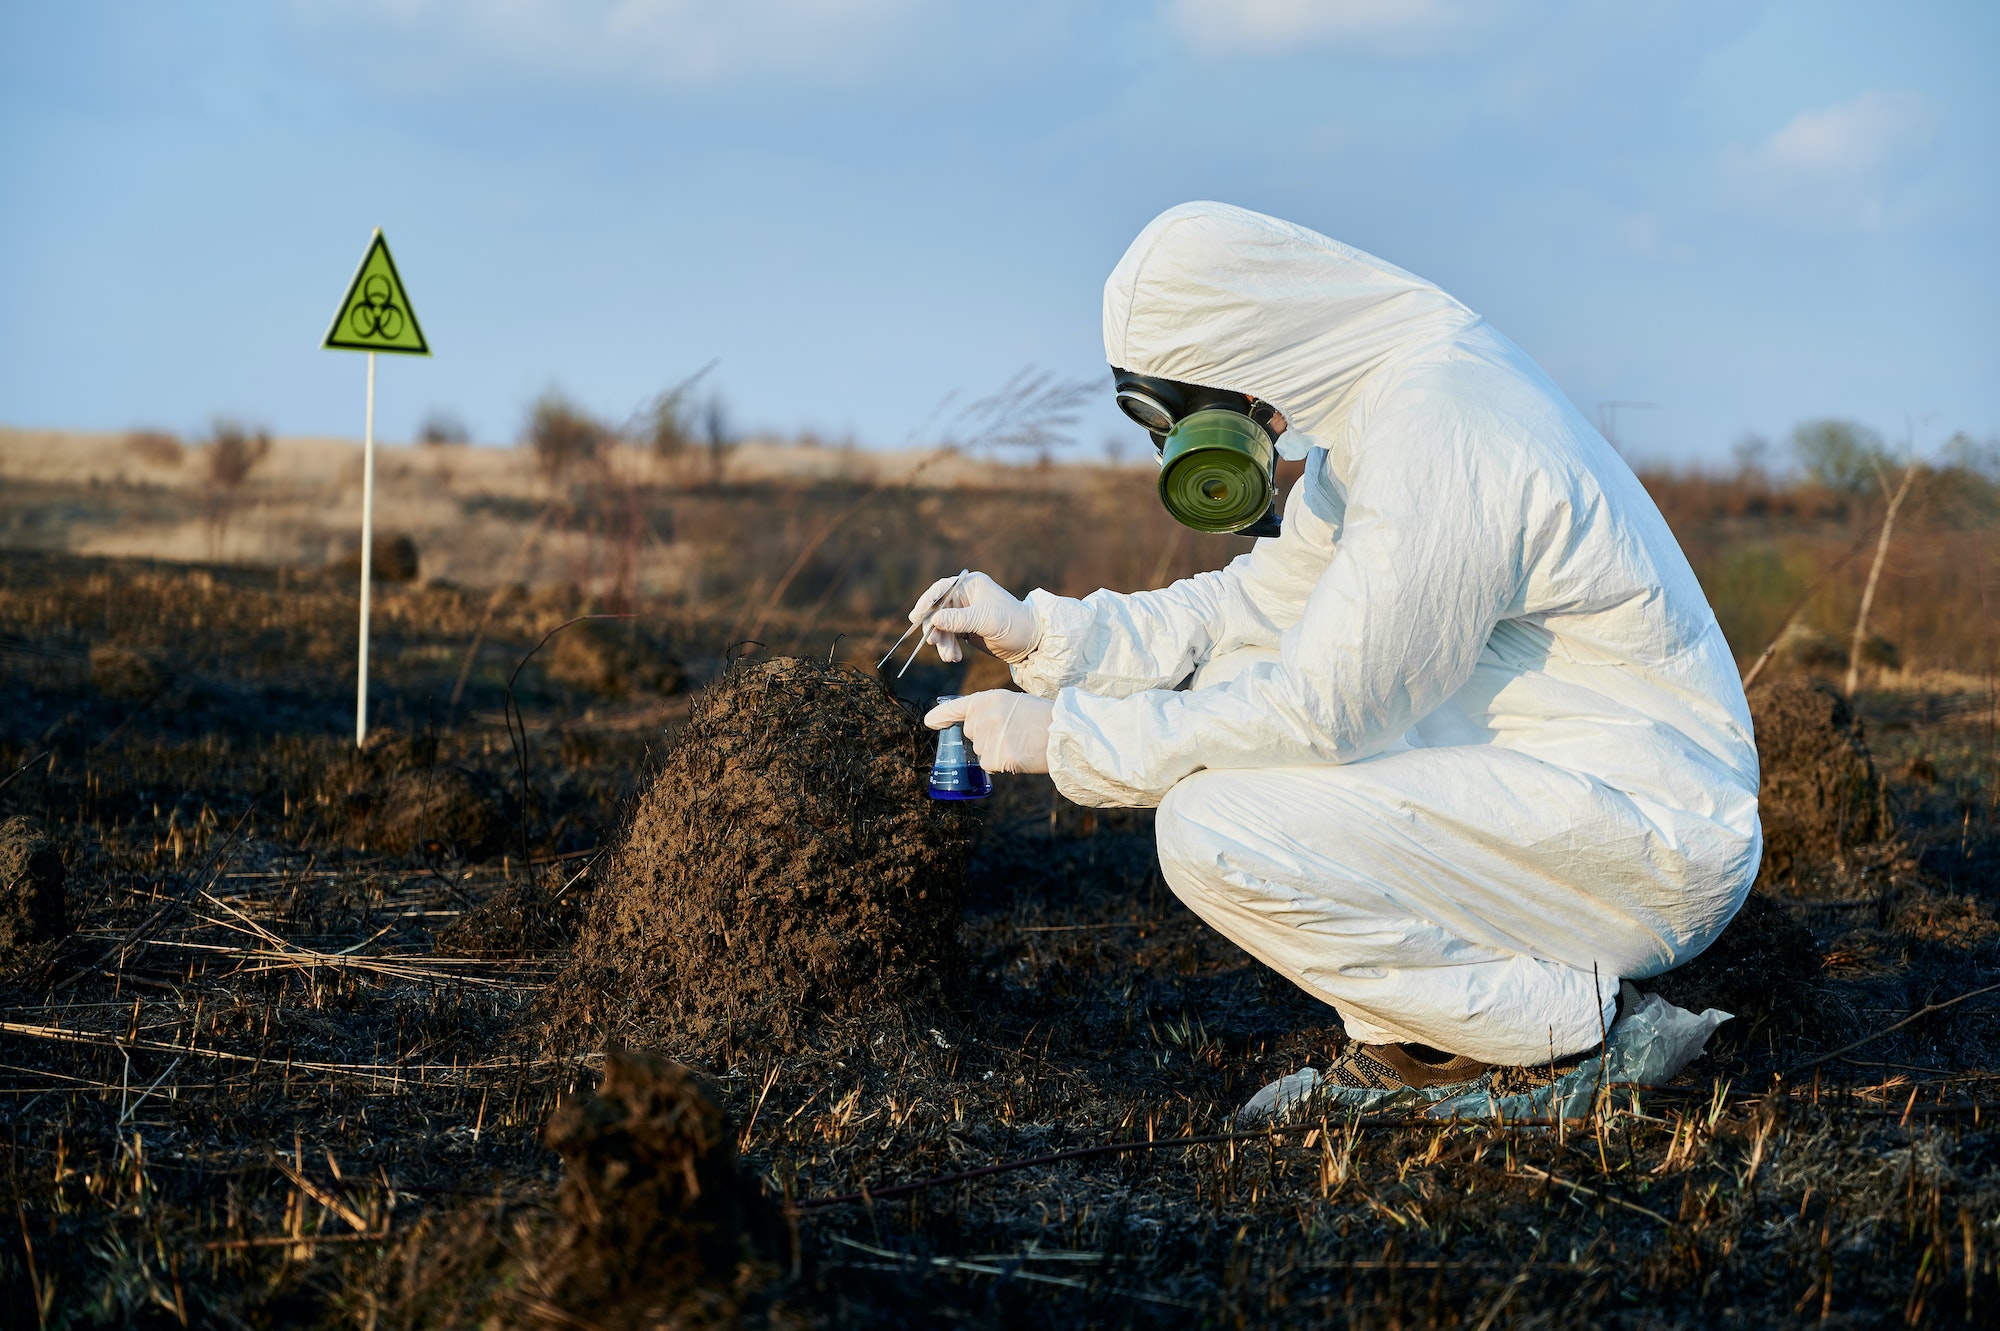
[[1397, 1067]]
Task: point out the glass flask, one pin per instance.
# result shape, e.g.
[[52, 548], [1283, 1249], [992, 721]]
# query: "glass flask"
[[956, 773]]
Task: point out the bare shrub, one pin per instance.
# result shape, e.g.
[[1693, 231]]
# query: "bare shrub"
[[232, 453], [443, 427], [666, 423], [563, 434], [159, 448]]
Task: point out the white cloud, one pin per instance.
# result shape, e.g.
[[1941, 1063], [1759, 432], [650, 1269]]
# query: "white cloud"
[[1840, 162], [653, 41], [1271, 27]]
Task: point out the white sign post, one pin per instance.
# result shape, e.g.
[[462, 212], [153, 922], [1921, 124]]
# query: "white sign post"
[[375, 315]]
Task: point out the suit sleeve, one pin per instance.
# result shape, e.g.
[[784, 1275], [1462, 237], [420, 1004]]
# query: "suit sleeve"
[[1117, 644], [1430, 557]]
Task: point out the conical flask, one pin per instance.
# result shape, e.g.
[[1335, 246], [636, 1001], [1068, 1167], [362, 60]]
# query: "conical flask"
[[956, 773]]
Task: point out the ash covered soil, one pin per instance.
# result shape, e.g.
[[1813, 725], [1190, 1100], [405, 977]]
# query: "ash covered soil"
[[587, 1030]]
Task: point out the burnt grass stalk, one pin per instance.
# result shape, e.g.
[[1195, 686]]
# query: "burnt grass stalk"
[[270, 1057]]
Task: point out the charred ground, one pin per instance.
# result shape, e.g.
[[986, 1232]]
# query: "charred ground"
[[289, 1066]]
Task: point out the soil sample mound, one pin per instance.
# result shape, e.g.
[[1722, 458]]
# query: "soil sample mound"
[[1760, 965], [31, 892], [786, 864], [1820, 794]]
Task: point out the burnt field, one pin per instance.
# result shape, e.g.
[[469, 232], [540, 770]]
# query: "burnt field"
[[299, 1036]]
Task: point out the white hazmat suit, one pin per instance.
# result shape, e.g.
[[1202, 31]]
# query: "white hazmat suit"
[[1465, 746]]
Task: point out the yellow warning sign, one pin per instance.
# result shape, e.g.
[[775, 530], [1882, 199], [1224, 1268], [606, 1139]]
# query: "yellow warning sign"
[[376, 313]]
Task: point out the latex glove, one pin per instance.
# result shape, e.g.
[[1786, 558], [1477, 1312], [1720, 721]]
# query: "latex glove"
[[1009, 731], [981, 608]]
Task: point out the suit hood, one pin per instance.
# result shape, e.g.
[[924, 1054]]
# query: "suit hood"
[[1217, 295]]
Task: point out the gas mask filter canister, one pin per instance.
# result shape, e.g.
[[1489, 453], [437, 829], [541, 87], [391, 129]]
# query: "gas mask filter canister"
[[1216, 470], [1218, 458]]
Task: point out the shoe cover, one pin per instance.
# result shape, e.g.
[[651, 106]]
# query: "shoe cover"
[[1651, 1042]]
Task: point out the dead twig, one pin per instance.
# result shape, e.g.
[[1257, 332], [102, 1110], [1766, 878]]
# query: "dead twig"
[[1875, 572], [1887, 1030]]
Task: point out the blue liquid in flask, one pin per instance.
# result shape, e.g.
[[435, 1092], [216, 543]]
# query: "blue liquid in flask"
[[956, 773]]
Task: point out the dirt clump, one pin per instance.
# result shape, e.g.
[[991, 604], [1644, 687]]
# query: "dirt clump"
[[394, 558], [612, 657], [397, 798], [523, 918], [32, 911], [1764, 962], [120, 672], [659, 1224], [654, 1224], [784, 865], [1820, 795]]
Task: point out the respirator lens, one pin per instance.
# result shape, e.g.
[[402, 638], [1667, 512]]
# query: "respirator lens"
[[1215, 471], [1145, 410]]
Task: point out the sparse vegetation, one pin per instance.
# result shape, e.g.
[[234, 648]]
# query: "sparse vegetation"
[[563, 435], [232, 452], [289, 1066]]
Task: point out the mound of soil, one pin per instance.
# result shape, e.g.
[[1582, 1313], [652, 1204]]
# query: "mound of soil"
[[1820, 794], [120, 672], [1761, 964], [394, 559], [660, 1228], [654, 1225], [395, 799], [31, 892], [523, 918], [612, 657], [784, 865]]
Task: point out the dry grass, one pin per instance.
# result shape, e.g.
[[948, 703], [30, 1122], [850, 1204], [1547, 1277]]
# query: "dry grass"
[[236, 1092]]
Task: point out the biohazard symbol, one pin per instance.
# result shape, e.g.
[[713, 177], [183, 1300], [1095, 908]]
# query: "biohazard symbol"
[[375, 315]]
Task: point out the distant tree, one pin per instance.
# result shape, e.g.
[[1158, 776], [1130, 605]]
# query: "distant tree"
[[443, 427], [1841, 455], [1981, 457], [562, 434], [1752, 455]]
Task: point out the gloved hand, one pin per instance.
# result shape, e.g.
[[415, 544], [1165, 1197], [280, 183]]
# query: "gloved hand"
[[980, 608], [1009, 731]]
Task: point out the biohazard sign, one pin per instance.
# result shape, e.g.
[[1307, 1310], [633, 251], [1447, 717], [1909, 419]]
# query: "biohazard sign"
[[376, 313]]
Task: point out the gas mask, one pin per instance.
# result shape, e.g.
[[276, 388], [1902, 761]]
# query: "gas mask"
[[1218, 459]]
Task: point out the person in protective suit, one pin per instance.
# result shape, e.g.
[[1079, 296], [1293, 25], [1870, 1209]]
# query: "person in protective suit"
[[1458, 749]]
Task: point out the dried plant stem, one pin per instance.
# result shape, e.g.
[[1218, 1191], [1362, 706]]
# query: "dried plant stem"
[[1870, 1039], [1874, 574]]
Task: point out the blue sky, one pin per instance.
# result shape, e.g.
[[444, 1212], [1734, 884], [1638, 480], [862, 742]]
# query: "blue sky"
[[1746, 214]]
